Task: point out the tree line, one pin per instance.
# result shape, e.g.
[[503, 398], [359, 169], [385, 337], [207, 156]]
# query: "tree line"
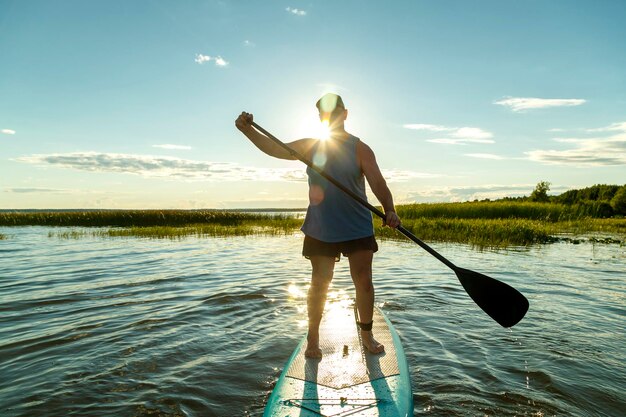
[[600, 200]]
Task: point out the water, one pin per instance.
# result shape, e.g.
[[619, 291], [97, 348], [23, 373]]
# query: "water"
[[202, 327]]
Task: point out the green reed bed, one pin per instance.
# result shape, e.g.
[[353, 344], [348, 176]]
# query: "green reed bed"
[[500, 233], [130, 218], [243, 224], [482, 224], [476, 232], [552, 212], [587, 226]]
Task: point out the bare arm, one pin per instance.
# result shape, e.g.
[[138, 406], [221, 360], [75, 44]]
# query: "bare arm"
[[268, 146], [377, 183]]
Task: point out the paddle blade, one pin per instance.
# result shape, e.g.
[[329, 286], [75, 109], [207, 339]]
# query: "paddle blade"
[[500, 301]]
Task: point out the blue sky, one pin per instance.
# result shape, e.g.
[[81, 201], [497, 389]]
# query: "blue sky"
[[116, 104]]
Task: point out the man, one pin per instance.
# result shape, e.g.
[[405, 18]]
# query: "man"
[[335, 223]]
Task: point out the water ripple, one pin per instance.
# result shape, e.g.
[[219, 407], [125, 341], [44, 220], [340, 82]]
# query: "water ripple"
[[201, 327]]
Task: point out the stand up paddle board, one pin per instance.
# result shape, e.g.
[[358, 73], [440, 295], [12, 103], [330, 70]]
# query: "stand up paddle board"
[[347, 380]]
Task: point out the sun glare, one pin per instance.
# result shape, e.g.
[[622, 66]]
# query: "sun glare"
[[311, 127], [324, 130]]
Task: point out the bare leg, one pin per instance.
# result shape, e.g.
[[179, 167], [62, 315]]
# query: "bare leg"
[[361, 272], [321, 277]]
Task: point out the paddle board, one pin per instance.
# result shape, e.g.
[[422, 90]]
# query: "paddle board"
[[347, 380]]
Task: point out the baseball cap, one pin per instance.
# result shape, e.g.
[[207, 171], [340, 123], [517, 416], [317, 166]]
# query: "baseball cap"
[[329, 102]]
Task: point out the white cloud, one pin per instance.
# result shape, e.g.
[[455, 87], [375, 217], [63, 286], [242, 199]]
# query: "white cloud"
[[457, 135], [164, 167], [615, 127], [201, 59], [446, 141], [485, 156], [568, 140], [472, 134], [249, 43], [397, 175], [26, 190], [297, 12], [427, 127], [8, 131], [219, 61], [599, 151], [518, 104], [169, 146], [470, 193]]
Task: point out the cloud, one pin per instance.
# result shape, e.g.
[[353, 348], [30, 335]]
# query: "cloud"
[[25, 190], [519, 104], [219, 61], [615, 127], [457, 135], [397, 175], [586, 152], [472, 134], [201, 59], [249, 43], [169, 146], [297, 12], [485, 156], [427, 127], [163, 167], [8, 131], [470, 193]]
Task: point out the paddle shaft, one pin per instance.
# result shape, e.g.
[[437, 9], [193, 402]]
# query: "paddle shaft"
[[373, 209]]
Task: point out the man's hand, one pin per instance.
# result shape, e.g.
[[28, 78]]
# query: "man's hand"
[[391, 219], [243, 121]]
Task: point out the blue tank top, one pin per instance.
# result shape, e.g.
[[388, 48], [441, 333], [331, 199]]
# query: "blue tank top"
[[332, 215]]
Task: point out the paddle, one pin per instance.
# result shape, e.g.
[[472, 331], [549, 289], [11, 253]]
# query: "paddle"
[[500, 301]]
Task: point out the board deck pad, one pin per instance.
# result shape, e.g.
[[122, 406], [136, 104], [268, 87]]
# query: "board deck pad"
[[345, 362]]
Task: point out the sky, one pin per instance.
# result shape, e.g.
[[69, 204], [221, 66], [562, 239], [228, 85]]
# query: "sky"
[[118, 104]]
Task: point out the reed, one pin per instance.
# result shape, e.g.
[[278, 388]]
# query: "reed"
[[549, 212], [481, 224], [500, 233], [130, 218], [476, 232], [265, 225]]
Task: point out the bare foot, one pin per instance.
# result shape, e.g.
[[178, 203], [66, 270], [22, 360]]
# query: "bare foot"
[[313, 350], [370, 343]]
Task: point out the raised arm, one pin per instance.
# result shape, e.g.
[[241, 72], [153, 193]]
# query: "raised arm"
[[377, 183], [268, 146]]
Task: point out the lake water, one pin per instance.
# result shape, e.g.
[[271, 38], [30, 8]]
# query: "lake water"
[[203, 327]]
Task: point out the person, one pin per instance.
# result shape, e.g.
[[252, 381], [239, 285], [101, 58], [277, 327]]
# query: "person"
[[335, 223]]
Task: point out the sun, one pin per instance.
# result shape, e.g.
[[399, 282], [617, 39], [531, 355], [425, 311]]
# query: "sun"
[[311, 127], [324, 130]]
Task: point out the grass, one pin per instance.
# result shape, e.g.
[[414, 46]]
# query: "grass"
[[500, 233], [548, 212], [179, 232], [129, 218], [481, 224], [2, 237]]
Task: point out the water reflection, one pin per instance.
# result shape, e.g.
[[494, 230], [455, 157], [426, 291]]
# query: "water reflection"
[[203, 327]]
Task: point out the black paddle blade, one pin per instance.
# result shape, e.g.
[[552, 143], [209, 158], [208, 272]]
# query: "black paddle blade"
[[500, 301]]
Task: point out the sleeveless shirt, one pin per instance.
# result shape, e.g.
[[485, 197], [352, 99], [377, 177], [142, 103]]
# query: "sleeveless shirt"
[[332, 215]]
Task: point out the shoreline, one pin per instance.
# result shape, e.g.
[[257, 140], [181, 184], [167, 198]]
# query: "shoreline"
[[483, 225]]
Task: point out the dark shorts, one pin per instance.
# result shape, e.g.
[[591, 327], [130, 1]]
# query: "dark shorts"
[[314, 247]]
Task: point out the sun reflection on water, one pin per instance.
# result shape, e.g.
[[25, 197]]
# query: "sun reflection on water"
[[338, 301]]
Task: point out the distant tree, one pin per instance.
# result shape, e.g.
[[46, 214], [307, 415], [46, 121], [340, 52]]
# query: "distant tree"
[[540, 193], [618, 202], [598, 192]]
